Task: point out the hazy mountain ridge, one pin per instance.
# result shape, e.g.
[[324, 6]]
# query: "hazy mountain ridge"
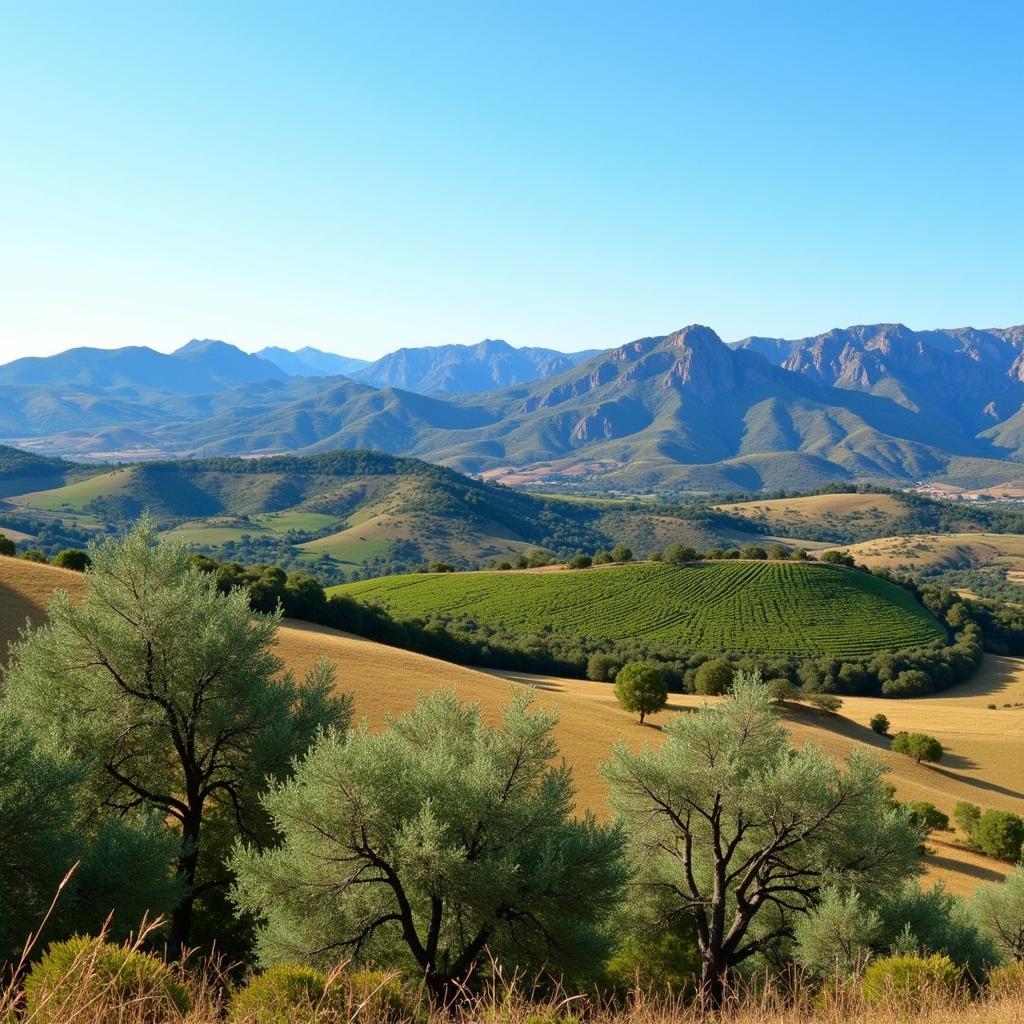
[[466, 369]]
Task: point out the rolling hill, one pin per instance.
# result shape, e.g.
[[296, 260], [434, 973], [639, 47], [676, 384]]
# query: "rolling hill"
[[736, 606], [337, 511], [985, 747]]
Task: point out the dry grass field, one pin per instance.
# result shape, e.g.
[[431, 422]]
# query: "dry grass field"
[[819, 509], [946, 551], [985, 747]]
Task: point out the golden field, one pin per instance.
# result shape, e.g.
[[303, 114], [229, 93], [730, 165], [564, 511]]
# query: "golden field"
[[946, 551], [819, 509], [985, 747]]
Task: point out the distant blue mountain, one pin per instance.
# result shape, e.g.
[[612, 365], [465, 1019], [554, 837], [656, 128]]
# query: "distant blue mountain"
[[467, 369], [311, 362], [200, 367]]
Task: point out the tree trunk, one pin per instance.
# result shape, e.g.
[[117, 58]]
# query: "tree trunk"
[[641, 717], [713, 977], [188, 862]]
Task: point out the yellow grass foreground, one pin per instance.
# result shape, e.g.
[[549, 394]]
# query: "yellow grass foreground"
[[985, 747]]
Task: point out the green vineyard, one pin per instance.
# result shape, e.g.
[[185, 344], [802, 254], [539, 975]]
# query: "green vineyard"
[[790, 607]]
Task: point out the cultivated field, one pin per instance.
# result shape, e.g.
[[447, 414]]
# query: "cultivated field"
[[985, 747], [795, 607]]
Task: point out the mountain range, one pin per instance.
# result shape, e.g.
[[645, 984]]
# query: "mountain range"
[[678, 411]]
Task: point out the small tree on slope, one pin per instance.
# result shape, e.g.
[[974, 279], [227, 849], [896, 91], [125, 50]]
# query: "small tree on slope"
[[640, 687], [168, 696], [431, 842], [734, 827]]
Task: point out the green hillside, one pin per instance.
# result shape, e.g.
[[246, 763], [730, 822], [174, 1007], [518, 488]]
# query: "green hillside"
[[788, 607]]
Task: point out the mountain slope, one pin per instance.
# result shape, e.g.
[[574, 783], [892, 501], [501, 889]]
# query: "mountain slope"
[[466, 369], [971, 378]]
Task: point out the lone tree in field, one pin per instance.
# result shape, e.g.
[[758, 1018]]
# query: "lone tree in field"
[[734, 827], [168, 696], [435, 839], [918, 746], [640, 687]]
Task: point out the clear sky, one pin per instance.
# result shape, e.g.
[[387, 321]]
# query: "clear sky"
[[361, 177]]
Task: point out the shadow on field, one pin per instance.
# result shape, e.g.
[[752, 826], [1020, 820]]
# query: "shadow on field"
[[14, 610], [990, 787], [982, 874]]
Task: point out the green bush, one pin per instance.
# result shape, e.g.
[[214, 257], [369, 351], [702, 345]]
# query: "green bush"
[[621, 553], [602, 668], [1007, 981], [906, 980], [378, 997], [1000, 834], [72, 558], [580, 561], [880, 724], [85, 971], [713, 678], [293, 994], [677, 554], [284, 994], [7, 546], [927, 816]]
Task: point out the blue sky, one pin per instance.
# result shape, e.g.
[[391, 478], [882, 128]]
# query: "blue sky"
[[361, 177]]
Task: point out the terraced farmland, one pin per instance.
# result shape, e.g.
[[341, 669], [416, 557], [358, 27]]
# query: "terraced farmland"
[[792, 607]]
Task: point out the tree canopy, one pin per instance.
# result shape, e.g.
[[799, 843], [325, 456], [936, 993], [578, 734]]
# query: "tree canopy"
[[640, 687], [421, 845], [734, 827], [167, 695]]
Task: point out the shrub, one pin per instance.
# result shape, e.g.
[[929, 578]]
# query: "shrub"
[[927, 816], [603, 558], [906, 980], [827, 702], [917, 745], [86, 971], [1007, 981], [967, 816], [284, 994], [910, 683], [837, 558], [780, 689], [377, 997], [880, 724], [677, 554], [1000, 834], [640, 686], [999, 913], [621, 553], [754, 551], [73, 558], [6, 546], [778, 552], [580, 561], [713, 678], [656, 556], [33, 555], [602, 668]]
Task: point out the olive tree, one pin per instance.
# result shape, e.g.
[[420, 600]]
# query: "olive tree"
[[167, 695], [917, 745], [427, 844], [640, 687], [734, 827], [998, 911]]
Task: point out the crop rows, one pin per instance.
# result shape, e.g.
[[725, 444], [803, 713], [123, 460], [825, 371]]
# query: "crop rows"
[[788, 607]]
